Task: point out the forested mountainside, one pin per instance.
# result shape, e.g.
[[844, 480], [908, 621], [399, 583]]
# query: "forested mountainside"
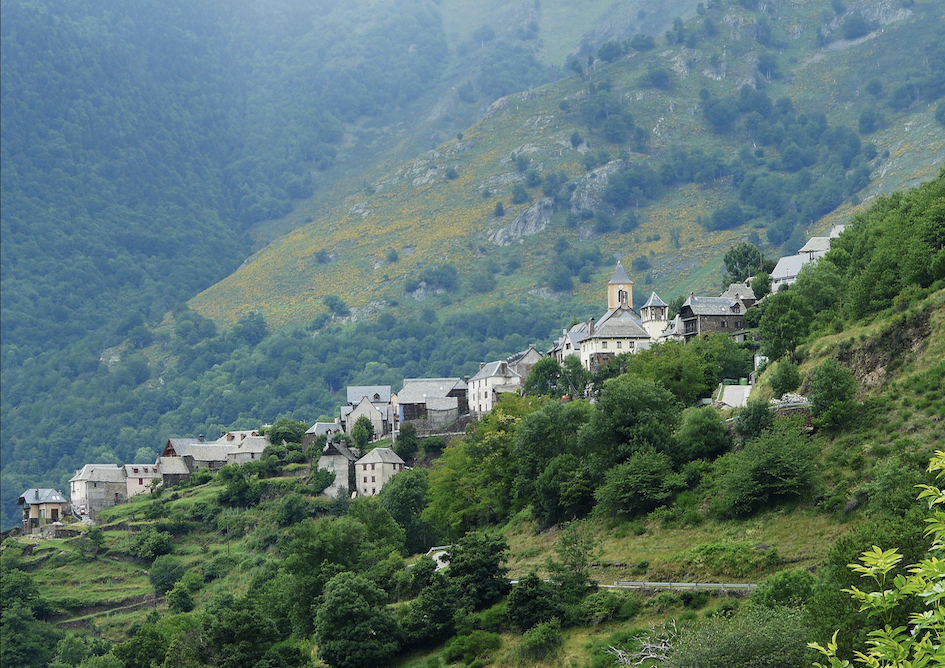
[[157, 127], [248, 566]]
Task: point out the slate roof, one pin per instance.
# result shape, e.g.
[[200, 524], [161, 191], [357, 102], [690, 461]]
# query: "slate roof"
[[252, 444], [202, 451], [709, 305], [172, 466], [743, 291], [332, 449], [357, 392], [420, 390], [621, 323], [654, 300], [320, 428], [381, 456], [152, 470], [100, 473], [37, 495], [788, 267], [382, 409], [816, 245], [620, 276], [673, 329], [494, 369]]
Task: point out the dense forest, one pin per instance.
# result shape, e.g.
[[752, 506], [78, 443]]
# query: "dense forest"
[[250, 553]]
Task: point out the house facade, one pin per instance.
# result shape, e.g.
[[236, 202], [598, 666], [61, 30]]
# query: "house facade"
[[522, 362], [97, 486], [174, 470], [711, 315], [327, 429], [372, 401], [337, 458], [41, 506], [203, 454], [138, 478], [375, 468], [493, 379], [250, 449]]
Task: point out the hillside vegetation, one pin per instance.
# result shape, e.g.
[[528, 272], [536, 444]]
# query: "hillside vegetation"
[[628, 487], [628, 157]]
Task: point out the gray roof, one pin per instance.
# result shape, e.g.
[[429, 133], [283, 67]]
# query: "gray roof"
[[673, 328], [100, 473], [654, 300], [816, 245], [206, 452], [172, 466], [381, 456], [419, 390], [357, 392], [789, 266], [332, 449], [252, 444], [36, 495], [380, 408], [621, 323], [710, 305], [740, 289], [495, 369], [152, 470], [620, 276], [320, 428]]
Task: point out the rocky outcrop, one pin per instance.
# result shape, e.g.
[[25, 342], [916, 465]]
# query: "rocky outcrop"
[[590, 189], [531, 221]]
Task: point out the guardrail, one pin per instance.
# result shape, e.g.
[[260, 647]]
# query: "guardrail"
[[631, 584]]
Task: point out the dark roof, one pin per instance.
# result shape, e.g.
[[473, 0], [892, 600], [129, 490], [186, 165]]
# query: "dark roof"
[[620, 276], [333, 449], [740, 290], [709, 305]]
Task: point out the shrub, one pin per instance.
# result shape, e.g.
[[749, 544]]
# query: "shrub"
[[541, 642], [165, 572], [785, 378], [180, 600], [149, 544], [753, 419], [791, 588], [831, 393], [533, 601], [469, 647], [608, 604]]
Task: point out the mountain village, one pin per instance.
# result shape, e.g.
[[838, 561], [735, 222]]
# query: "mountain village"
[[433, 405]]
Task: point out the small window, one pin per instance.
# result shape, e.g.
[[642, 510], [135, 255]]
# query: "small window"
[[725, 324], [140, 481], [373, 491], [372, 467], [619, 345], [365, 478], [372, 479], [135, 470], [603, 344]]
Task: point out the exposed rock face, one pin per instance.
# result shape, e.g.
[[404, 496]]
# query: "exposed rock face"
[[590, 189], [872, 362], [531, 221]]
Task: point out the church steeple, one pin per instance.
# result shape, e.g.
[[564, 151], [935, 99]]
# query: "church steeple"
[[619, 289]]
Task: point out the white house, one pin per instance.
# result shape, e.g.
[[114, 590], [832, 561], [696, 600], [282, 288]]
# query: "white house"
[[493, 379], [375, 468], [138, 478], [97, 486], [250, 449], [372, 401]]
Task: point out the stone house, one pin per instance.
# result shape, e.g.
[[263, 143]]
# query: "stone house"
[[174, 470], [318, 429], [97, 486], [493, 379], [138, 478], [711, 315], [375, 468], [41, 506], [522, 362], [250, 449], [337, 458], [202, 454], [373, 401], [438, 401]]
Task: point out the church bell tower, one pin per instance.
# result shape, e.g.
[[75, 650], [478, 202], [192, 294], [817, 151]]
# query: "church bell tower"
[[619, 289]]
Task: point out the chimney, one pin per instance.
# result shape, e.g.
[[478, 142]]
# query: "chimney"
[[200, 437], [482, 365], [590, 327], [466, 379], [504, 368]]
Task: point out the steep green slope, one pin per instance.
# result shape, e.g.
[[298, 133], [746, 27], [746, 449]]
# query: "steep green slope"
[[692, 138]]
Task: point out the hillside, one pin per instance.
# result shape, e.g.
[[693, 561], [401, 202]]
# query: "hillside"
[[403, 247]]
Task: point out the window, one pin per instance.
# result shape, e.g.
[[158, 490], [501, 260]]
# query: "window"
[[372, 467], [372, 479], [365, 478], [135, 470], [725, 324], [619, 345], [140, 481], [373, 491], [738, 324], [736, 308], [603, 344]]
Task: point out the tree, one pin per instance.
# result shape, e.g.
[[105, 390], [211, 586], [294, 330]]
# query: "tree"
[[363, 431], [499, 210], [251, 329], [832, 394], [742, 260], [785, 378], [407, 441], [576, 549], [563, 491], [404, 497], [519, 194], [476, 567], [353, 627], [336, 305], [165, 572], [753, 419], [288, 430], [702, 435], [544, 378], [533, 601], [783, 325], [637, 486]]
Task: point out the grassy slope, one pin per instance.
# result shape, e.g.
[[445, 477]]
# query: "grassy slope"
[[416, 209]]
